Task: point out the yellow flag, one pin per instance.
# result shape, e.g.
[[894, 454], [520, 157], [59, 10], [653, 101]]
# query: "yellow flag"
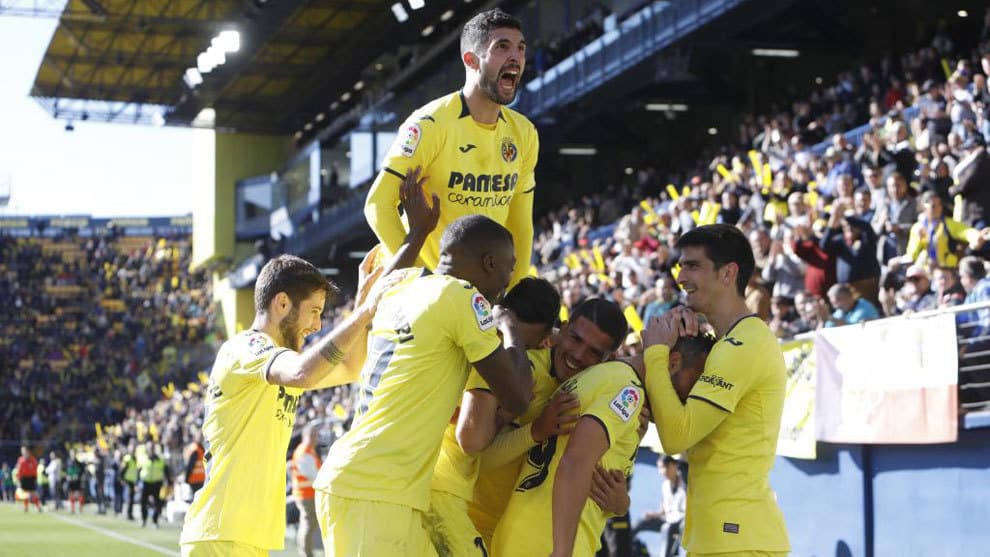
[[813, 198], [646, 206], [754, 159], [193, 386], [946, 68], [339, 412], [672, 192], [564, 314], [675, 270], [599, 260], [767, 176], [696, 216], [724, 172], [533, 272], [572, 261], [204, 378], [812, 185], [685, 191], [633, 319]]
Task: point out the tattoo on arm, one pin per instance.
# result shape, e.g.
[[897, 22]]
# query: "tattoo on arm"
[[331, 353]]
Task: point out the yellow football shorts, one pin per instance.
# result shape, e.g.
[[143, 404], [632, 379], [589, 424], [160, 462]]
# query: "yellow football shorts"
[[354, 528], [222, 549], [450, 528]]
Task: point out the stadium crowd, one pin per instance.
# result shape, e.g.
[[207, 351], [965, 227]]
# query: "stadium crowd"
[[884, 222]]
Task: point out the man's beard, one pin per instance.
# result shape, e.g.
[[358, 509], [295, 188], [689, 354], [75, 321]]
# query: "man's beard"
[[491, 89], [289, 329]]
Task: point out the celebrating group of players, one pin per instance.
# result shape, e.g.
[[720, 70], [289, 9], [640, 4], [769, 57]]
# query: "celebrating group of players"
[[481, 429]]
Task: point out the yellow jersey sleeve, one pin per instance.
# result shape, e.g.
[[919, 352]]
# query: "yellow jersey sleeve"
[[614, 403], [249, 357], [416, 144], [476, 381], [470, 322]]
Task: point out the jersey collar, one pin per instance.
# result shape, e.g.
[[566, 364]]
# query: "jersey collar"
[[465, 111]]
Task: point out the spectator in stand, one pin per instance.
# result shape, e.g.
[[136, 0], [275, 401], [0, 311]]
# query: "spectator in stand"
[[863, 205], [784, 269], [820, 269], [665, 298], [873, 181], [971, 177], [893, 220], [304, 466], [948, 290], [195, 469], [850, 307], [937, 240], [809, 319], [758, 296], [916, 294], [852, 242], [783, 318]]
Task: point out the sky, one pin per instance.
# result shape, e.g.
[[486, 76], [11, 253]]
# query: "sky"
[[99, 169]]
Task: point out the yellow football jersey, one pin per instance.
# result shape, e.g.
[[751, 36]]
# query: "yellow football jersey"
[[473, 169], [494, 486], [246, 431], [611, 394], [731, 506], [425, 333]]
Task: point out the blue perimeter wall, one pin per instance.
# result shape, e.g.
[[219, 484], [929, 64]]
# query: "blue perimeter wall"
[[912, 500]]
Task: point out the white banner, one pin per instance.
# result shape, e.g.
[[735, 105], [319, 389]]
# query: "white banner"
[[888, 381], [797, 425]]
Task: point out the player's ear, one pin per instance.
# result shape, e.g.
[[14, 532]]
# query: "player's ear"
[[281, 304], [488, 261], [675, 362], [470, 60]]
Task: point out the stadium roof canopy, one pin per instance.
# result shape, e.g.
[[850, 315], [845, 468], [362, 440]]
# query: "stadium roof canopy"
[[129, 61]]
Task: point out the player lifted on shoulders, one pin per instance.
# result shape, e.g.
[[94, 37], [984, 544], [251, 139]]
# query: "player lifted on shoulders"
[[479, 155]]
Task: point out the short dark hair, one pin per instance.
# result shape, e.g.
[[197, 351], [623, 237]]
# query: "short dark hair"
[[477, 30], [723, 243], [668, 460], [534, 300], [293, 275], [973, 266], [694, 350], [476, 233], [606, 315]]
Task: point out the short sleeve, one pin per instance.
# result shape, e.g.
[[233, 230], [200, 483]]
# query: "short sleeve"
[[728, 374], [470, 321], [476, 381], [416, 144], [248, 360], [615, 404]]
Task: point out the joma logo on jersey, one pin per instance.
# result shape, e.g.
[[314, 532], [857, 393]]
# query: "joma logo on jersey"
[[716, 381], [483, 182]]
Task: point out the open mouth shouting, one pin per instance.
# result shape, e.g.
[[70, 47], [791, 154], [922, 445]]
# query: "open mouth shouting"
[[508, 80]]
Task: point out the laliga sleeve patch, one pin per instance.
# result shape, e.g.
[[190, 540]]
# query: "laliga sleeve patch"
[[482, 311], [626, 403], [409, 139], [259, 344]]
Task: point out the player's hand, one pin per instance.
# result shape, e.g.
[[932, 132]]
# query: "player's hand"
[[558, 418], [608, 490], [505, 318], [422, 216], [367, 275]]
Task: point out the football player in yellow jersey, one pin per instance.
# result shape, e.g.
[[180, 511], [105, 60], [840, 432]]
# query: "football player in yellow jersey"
[[254, 388], [536, 305], [589, 338], [479, 154], [374, 486], [610, 400], [731, 420]]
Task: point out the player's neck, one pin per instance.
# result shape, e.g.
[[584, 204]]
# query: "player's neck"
[[264, 325], [482, 108], [726, 313]]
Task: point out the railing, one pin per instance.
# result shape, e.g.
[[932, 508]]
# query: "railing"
[[640, 36]]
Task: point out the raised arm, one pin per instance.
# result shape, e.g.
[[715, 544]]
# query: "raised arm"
[[507, 369]]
